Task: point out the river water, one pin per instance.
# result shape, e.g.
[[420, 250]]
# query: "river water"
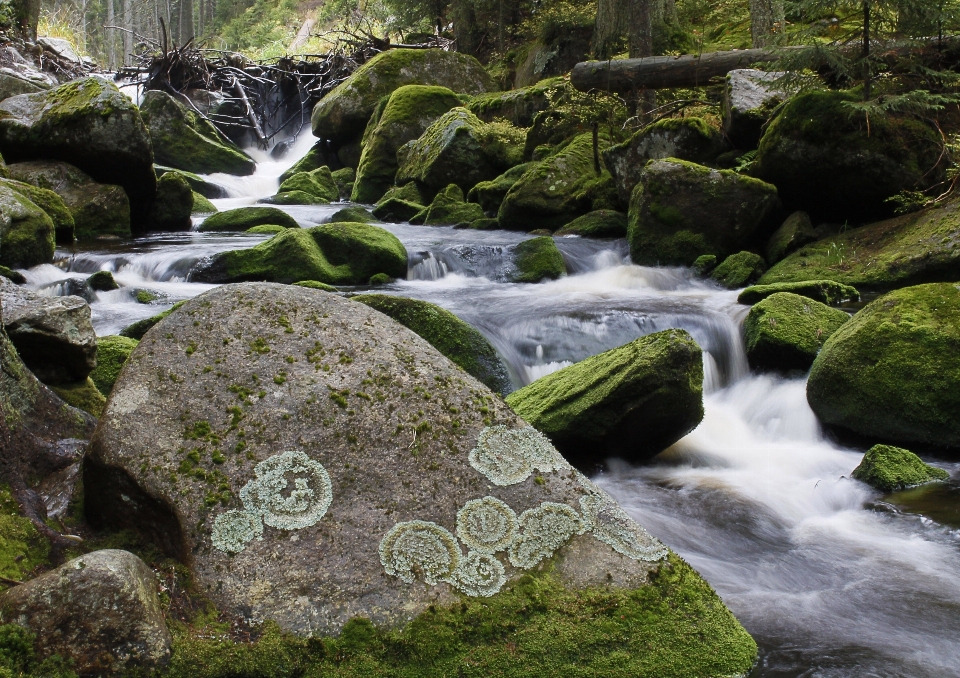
[[830, 578]]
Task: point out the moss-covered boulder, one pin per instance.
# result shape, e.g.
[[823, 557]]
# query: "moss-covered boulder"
[[264, 229], [395, 210], [184, 140], [631, 402], [320, 154], [102, 281], [359, 215], [685, 138], [490, 194], [892, 372], [408, 113], [597, 224], [97, 209], [174, 204], [242, 218], [448, 334], [448, 208], [138, 329], [90, 124], [739, 270], [207, 189], [558, 189], [82, 394], [906, 250], [537, 259], [344, 178], [681, 210], [786, 331], [112, 354], [63, 224], [518, 106], [703, 264], [829, 160], [889, 469], [27, 234], [343, 113], [315, 187], [336, 254], [315, 285], [825, 291], [793, 234], [202, 206], [460, 149]]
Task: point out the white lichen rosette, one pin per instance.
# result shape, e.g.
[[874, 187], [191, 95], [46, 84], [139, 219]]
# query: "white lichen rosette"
[[420, 548], [291, 491], [486, 525], [233, 530], [609, 523], [509, 456], [480, 575], [542, 531]]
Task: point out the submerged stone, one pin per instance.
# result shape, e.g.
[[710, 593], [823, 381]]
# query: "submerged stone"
[[889, 469]]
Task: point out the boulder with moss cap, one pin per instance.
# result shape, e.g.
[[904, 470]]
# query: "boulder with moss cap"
[[537, 259], [490, 194], [889, 469], [27, 234], [315, 187], [417, 490], [174, 204], [447, 209], [793, 234], [786, 331], [597, 224], [825, 291], [243, 218], [681, 210], [112, 354], [891, 372], [631, 402], [739, 269]]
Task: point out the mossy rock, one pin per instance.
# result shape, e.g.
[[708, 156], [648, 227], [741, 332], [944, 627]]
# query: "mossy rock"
[[343, 113], [830, 161], [174, 204], [490, 194], [344, 178], [315, 285], [631, 402], [889, 469], [485, 224], [681, 210], [786, 331], [243, 218], [337, 254], [112, 354], [315, 187], [23, 550], [892, 372], [357, 215], [597, 224], [407, 114], [449, 208], [684, 138], [518, 106], [271, 229], [454, 338], [102, 281], [27, 234], [145, 297], [141, 327], [559, 189], [184, 140], [408, 192], [703, 264], [83, 395], [318, 156], [51, 203], [739, 270], [207, 189], [13, 276], [537, 259], [795, 232], [395, 210], [825, 291], [202, 206], [907, 250]]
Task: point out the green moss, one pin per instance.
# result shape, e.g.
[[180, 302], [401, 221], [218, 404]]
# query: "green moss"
[[202, 206], [51, 203], [890, 468], [318, 184], [891, 373], [243, 218], [174, 204], [112, 354], [538, 259], [22, 549], [18, 656], [140, 328], [83, 395], [12, 276], [102, 281], [314, 159], [704, 263], [490, 194], [408, 192], [597, 224], [27, 234], [824, 291], [454, 338], [739, 269], [145, 297], [448, 208], [315, 285], [519, 106], [378, 279], [795, 232], [357, 215], [395, 210], [676, 627], [786, 331], [271, 229]]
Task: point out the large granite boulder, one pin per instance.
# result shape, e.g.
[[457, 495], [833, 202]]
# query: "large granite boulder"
[[408, 113], [97, 209], [892, 373], [342, 114], [558, 189], [680, 211], [184, 140], [631, 402], [99, 611], [174, 204], [685, 138], [334, 465], [749, 99], [52, 204], [836, 165], [27, 233], [53, 335], [906, 250], [597, 224], [786, 331], [336, 254], [739, 270], [90, 124], [448, 208]]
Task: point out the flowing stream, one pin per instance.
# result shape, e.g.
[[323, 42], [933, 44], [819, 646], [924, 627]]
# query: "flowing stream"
[[830, 578]]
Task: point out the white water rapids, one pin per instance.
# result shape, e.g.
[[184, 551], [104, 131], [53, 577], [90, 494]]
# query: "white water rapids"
[[829, 577]]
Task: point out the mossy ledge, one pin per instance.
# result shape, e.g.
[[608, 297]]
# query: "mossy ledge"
[[676, 626]]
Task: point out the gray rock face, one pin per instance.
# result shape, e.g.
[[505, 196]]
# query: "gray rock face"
[[319, 461], [53, 335], [100, 610], [748, 100]]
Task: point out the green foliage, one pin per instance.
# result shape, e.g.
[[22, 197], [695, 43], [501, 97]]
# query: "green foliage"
[[22, 549], [18, 659]]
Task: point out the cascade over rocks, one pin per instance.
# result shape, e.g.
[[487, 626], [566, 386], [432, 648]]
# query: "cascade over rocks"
[[631, 402], [786, 331], [892, 372], [91, 125], [333, 464], [100, 611]]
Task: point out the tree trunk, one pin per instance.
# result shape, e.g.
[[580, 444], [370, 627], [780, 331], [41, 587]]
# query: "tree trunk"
[[186, 20], [765, 17], [29, 18], [128, 33], [111, 37], [609, 27]]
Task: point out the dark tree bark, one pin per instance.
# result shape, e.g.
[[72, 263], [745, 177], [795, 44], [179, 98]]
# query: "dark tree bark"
[[765, 16]]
